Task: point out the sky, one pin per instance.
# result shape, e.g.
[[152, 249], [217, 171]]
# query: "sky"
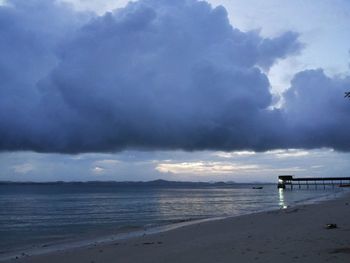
[[180, 90]]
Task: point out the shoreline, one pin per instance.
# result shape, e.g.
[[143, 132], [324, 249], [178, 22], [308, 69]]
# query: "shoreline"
[[103, 241], [47, 248]]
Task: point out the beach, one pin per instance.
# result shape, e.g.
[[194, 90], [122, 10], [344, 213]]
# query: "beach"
[[159, 131], [295, 234]]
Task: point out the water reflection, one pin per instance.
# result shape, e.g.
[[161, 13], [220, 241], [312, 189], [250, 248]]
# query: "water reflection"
[[281, 203]]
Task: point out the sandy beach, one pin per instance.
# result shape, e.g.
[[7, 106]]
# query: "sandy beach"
[[296, 234]]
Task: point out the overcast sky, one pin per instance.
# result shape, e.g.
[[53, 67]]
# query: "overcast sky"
[[179, 90]]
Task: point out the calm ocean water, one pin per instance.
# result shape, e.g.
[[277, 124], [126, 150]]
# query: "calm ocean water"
[[33, 215]]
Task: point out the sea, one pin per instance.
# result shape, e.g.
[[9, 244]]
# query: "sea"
[[45, 215]]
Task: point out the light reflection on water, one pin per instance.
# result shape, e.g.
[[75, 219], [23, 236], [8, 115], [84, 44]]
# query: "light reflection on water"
[[35, 214], [281, 203]]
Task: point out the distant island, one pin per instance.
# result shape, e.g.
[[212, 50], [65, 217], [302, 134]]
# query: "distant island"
[[158, 182]]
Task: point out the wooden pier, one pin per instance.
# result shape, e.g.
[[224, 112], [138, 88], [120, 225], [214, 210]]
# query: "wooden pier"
[[314, 182]]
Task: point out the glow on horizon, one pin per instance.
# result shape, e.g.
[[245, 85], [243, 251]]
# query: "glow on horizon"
[[203, 167], [172, 165]]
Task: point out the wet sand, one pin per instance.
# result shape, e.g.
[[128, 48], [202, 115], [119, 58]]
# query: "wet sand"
[[297, 234]]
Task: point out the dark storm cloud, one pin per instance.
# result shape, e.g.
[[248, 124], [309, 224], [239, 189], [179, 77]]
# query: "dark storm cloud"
[[30, 32], [156, 74], [316, 111]]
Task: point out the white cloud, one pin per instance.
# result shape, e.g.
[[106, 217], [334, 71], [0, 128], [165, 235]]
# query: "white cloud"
[[288, 153], [98, 170], [23, 168], [104, 166], [203, 167], [233, 154]]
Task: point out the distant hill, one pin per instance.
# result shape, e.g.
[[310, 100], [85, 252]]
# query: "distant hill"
[[158, 182]]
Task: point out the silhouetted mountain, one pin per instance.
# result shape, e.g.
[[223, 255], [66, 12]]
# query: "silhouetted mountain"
[[158, 182]]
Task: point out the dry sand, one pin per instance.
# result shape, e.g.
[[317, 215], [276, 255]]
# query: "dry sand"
[[291, 235]]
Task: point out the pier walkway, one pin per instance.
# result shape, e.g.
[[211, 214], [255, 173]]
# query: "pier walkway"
[[314, 182]]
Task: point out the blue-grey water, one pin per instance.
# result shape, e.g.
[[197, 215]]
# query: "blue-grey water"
[[33, 215]]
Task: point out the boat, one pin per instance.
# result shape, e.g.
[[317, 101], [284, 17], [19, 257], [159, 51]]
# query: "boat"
[[257, 187]]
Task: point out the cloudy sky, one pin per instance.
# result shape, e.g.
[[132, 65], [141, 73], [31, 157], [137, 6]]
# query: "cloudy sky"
[[179, 90]]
